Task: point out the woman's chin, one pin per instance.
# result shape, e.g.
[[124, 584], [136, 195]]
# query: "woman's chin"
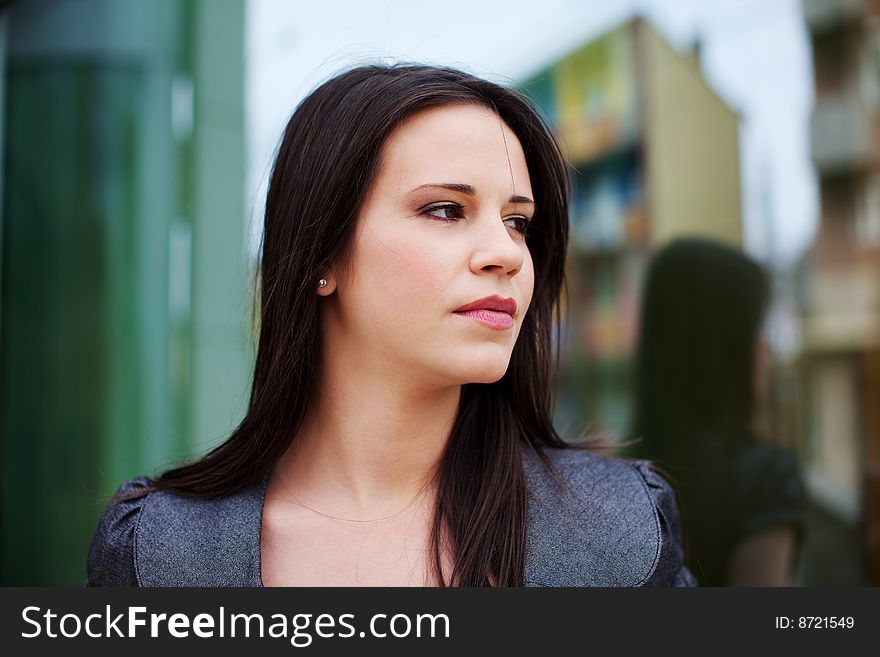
[[486, 372], [484, 364], [488, 378]]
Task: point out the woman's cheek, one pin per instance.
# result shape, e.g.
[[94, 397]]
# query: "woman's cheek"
[[419, 264]]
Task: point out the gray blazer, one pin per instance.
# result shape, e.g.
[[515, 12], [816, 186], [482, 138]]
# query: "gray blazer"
[[614, 524]]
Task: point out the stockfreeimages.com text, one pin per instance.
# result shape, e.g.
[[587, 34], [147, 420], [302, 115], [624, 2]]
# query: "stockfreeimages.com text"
[[301, 629]]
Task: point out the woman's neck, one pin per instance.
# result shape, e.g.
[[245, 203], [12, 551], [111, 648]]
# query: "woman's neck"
[[370, 446]]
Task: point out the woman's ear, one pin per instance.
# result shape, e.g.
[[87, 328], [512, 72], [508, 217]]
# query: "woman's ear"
[[326, 284]]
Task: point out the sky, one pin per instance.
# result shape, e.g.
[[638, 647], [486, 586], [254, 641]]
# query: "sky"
[[755, 55]]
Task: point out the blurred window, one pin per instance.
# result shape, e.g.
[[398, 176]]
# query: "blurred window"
[[830, 54], [868, 222]]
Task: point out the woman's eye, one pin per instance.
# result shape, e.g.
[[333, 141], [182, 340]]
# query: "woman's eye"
[[519, 224], [447, 212]]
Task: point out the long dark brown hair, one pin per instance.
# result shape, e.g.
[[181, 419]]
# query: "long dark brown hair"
[[702, 310], [325, 166]]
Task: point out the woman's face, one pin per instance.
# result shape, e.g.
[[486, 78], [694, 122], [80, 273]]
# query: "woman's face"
[[442, 228]]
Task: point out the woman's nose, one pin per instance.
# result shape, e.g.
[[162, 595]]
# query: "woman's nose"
[[497, 247]]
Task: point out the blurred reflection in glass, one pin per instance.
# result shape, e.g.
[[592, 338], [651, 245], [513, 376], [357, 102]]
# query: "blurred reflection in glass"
[[702, 365]]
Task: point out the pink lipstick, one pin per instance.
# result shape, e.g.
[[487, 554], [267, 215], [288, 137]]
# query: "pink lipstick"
[[495, 312]]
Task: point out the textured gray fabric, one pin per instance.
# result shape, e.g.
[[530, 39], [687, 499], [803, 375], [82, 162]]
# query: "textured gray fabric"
[[612, 523]]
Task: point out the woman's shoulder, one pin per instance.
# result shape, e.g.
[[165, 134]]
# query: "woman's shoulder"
[[596, 520], [111, 560], [149, 537], [768, 488]]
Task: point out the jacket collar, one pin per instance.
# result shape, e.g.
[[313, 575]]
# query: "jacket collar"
[[595, 527]]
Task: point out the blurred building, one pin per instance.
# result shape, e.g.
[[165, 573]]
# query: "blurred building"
[[124, 340], [841, 322], [656, 156]]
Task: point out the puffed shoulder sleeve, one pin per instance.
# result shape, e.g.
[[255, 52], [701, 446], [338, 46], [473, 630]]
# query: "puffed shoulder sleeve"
[[669, 569], [769, 491], [111, 560]]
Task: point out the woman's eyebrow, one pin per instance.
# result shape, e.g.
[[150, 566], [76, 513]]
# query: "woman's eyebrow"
[[470, 190]]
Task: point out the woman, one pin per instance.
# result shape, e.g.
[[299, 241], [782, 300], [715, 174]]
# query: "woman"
[[399, 427], [702, 364]]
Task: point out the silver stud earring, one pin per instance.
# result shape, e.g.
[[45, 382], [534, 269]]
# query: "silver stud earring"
[[322, 282]]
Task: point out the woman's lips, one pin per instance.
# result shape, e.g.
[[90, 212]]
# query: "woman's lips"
[[493, 311], [492, 318]]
